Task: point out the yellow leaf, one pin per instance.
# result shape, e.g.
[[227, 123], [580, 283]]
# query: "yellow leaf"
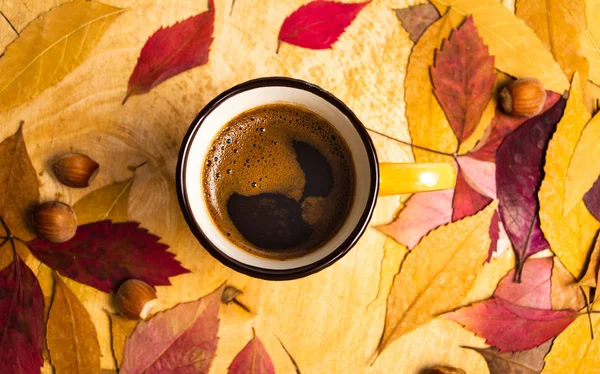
[[51, 47], [574, 351], [517, 50], [437, 274], [558, 24], [71, 335], [582, 173], [590, 39], [120, 328], [570, 236], [589, 279], [108, 202], [565, 292], [427, 122]]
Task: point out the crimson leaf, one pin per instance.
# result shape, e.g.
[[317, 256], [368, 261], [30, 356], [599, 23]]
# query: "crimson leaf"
[[105, 254], [21, 320], [592, 199], [519, 172]]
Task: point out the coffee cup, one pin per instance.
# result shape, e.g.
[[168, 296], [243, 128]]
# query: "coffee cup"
[[373, 179]]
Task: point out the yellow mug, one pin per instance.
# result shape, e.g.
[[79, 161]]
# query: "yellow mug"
[[372, 179]]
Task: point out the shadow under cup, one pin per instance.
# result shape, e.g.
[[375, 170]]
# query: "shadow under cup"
[[237, 100]]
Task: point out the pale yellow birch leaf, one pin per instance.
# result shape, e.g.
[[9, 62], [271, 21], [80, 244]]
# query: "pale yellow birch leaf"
[[570, 236], [51, 47], [108, 202], [437, 274], [515, 47]]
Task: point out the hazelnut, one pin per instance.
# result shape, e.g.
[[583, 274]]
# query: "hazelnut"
[[75, 170], [135, 299], [445, 370], [55, 222], [523, 97]]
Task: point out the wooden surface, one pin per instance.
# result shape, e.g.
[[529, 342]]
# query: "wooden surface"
[[331, 322]]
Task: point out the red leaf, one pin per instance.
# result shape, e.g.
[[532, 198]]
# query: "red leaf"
[[519, 171], [417, 18], [481, 175], [253, 359], [180, 340], [592, 199], [21, 320], [423, 212], [319, 24], [502, 124], [467, 201], [511, 327], [104, 255], [173, 50], [463, 78], [494, 235], [534, 289]]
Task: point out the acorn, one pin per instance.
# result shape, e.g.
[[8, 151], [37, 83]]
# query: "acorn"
[[75, 170], [55, 222], [523, 97], [135, 299]]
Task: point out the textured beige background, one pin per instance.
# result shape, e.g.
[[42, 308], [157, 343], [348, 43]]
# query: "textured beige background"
[[332, 321]]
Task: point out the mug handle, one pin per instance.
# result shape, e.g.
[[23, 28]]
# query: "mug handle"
[[402, 178]]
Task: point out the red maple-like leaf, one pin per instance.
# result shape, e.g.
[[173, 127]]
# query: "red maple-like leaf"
[[592, 199], [535, 287], [463, 78], [467, 201], [104, 255], [503, 124], [510, 327], [494, 235], [319, 24], [254, 359], [173, 50], [21, 320]]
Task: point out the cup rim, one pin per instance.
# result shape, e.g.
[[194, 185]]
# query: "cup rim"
[[259, 272]]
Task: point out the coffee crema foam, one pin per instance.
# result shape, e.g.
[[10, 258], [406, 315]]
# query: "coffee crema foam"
[[256, 174]]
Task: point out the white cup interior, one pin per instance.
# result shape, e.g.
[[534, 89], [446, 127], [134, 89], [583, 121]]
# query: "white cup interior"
[[255, 97]]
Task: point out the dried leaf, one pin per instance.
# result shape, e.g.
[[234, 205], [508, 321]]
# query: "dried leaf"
[[71, 335], [19, 186], [423, 212], [566, 293], [319, 24], [21, 320], [481, 175], [494, 235], [570, 236], [558, 24], [582, 173], [589, 39], [525, 362], [535, 287], [253, 359], [51, 47], [173, 50], [229, 294], [503, 124], [463, 77], [104, 255], [120, 329], [518, 176], [466, 201], [182, 339], [423, 111], [510, 327], [592, 199], [516, 48], [574, 351], [414, 298], [590, 277], [108, 202], [417, 18]]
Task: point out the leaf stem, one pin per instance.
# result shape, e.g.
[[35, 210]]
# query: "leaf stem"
[[412, 145], [232, 5], [10, 23], [5, 226], [236, 302], [289, 355], [589, 310]]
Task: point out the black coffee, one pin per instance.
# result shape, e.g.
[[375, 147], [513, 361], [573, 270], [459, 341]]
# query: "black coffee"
[[279, 181]]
